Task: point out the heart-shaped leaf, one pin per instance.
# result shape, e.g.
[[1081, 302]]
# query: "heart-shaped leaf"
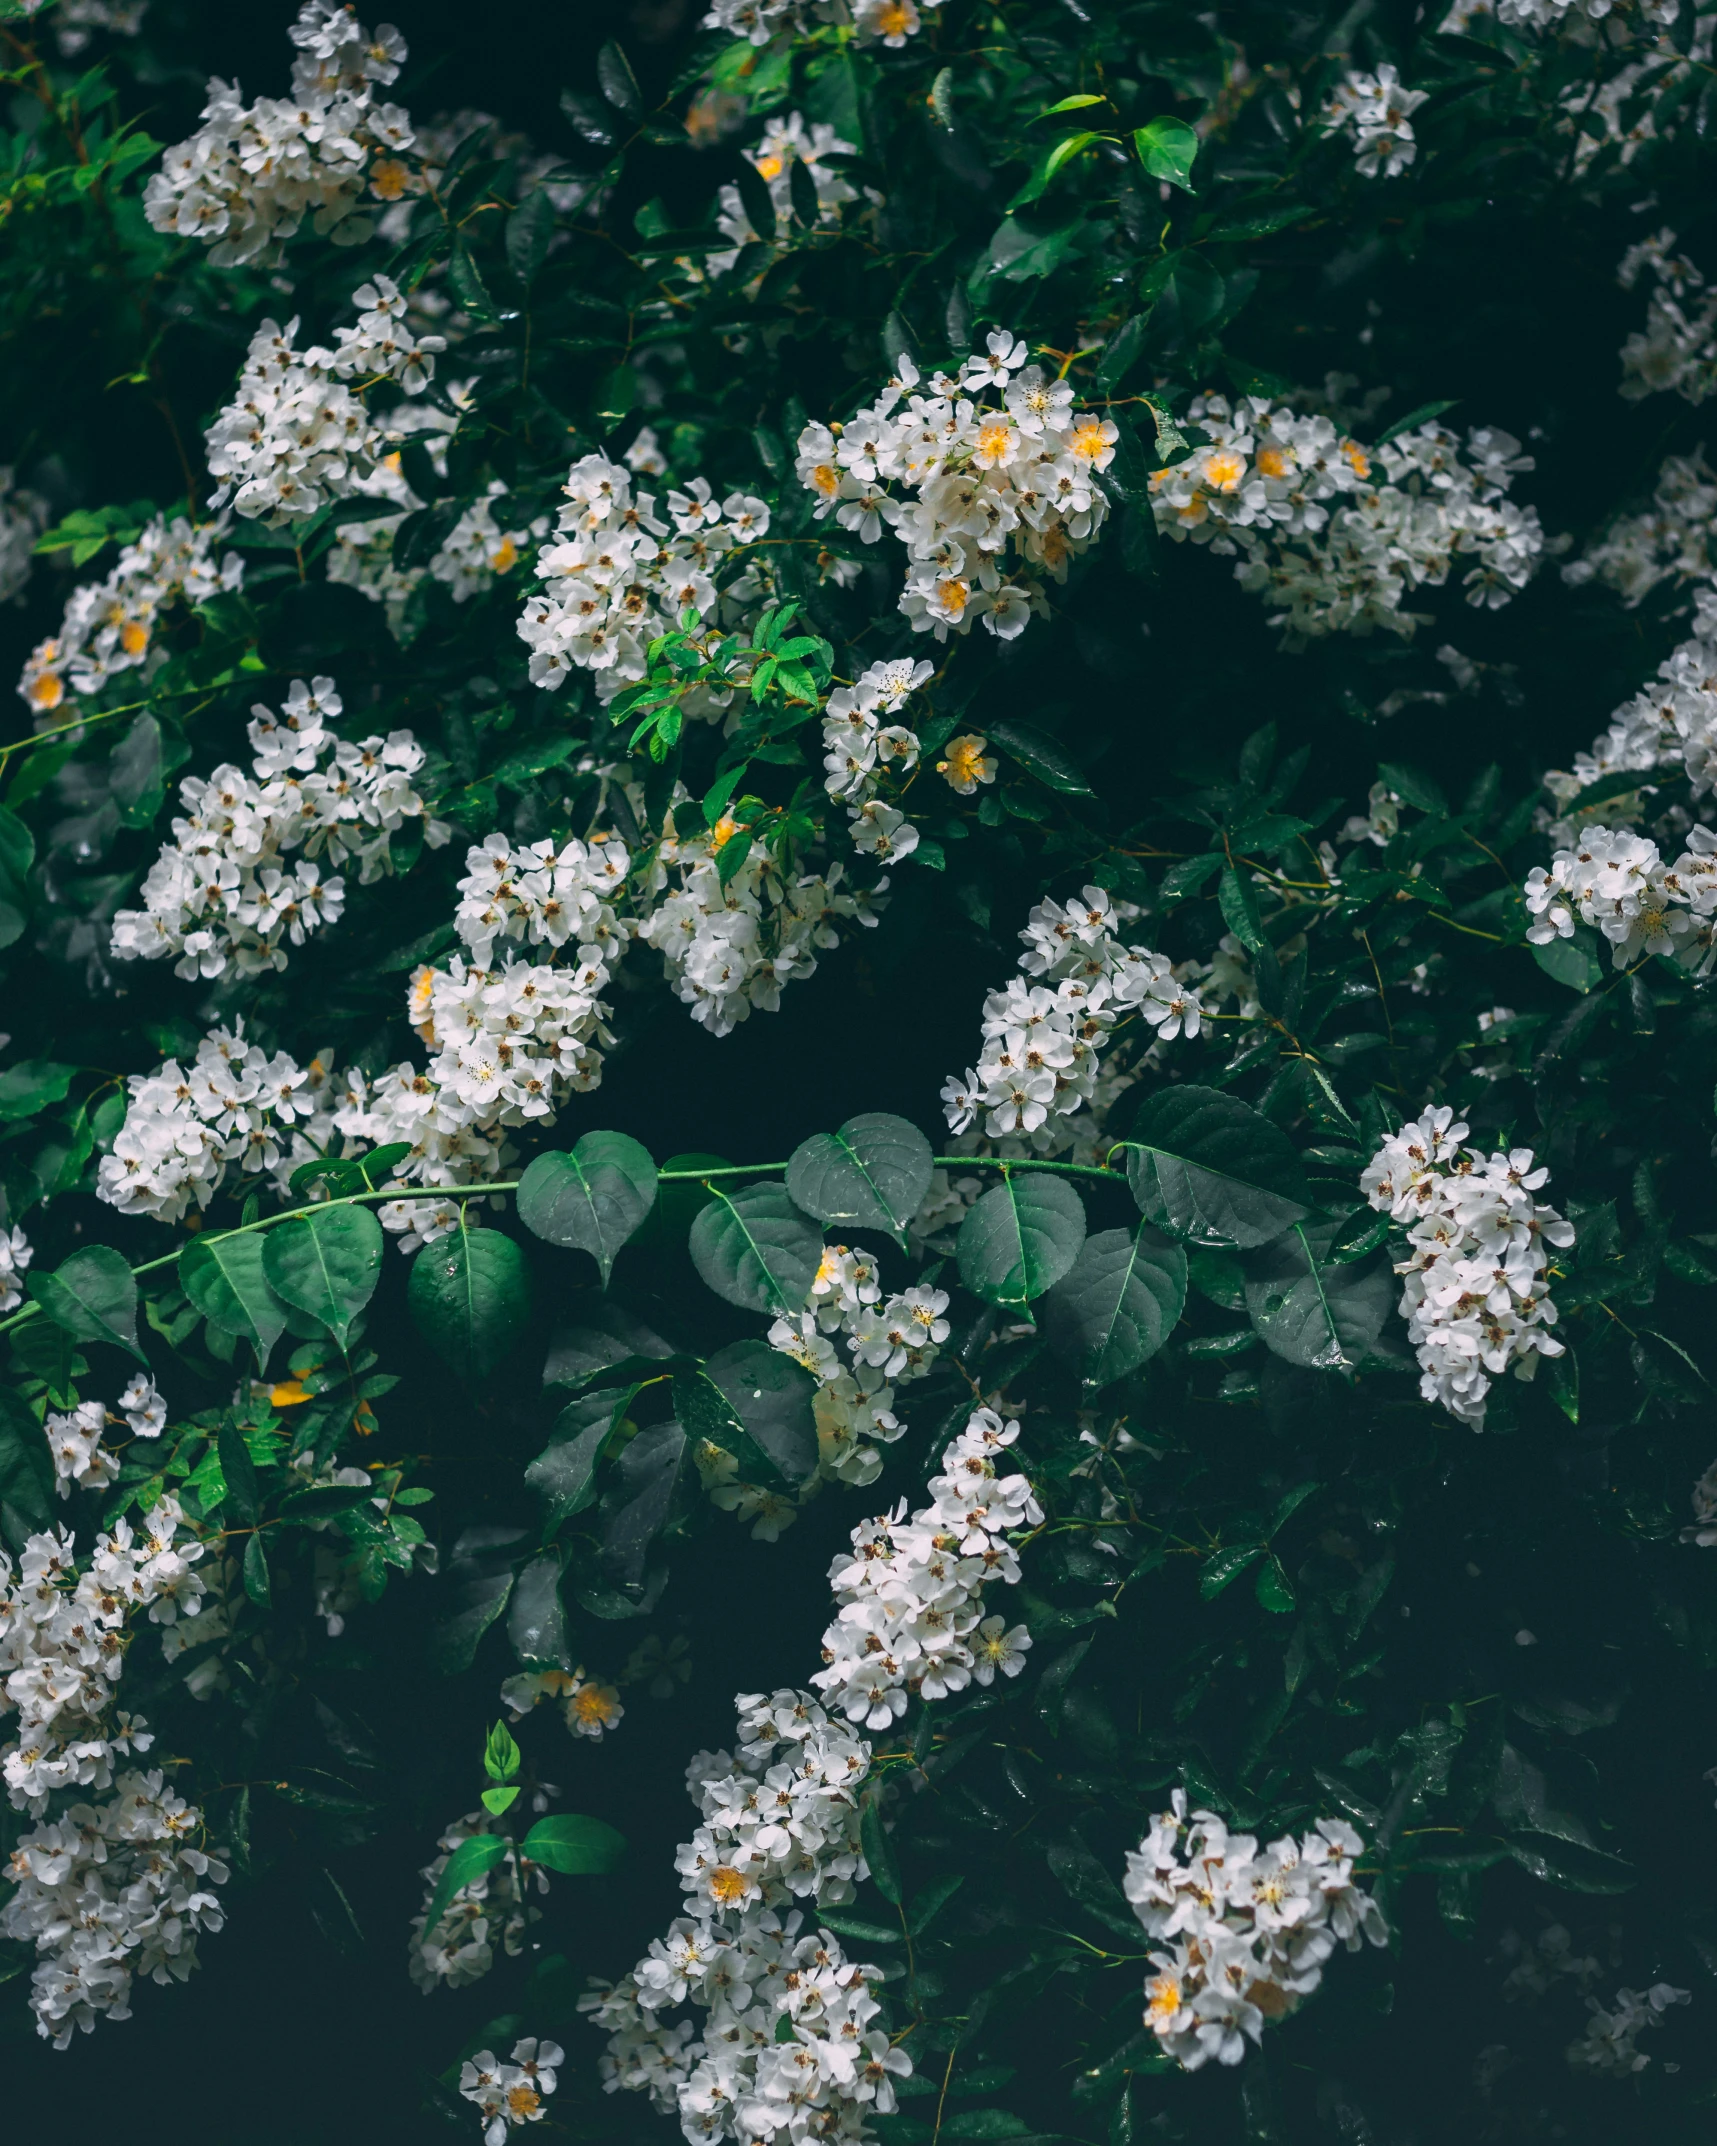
[[92, 1297], [224, 1278], [470, 1294], [1210, 1169], [1021, 1237], [591, 1200], [872, 1174], [756, 1249], [326, 1263], [1118, 1303], [1320, 1314]]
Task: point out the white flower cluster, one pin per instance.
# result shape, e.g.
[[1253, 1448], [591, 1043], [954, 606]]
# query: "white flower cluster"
[[16, 1253], [223, 892], [1477, 1295], [1671, 538], [510, 1039], [247, 179], [75, 1435], [729, 949], [295, 437], [1670, 724], [1043, 1038], [911, 1592], [183, 1127], [1676, 350], [477, 548], [114, 1889], [1244, 1931], [1704, 1528], [1377, 109], [1331, 543], [1618, 881], [109, 625], [789, 2049], [890, 1342], [786, 141], [510, 2093], [861, 745], [361, 556], [76, 21], [495, 1909], [588, 1706], [617, 576], [991, 494], [23, 517], [888, 22], [1611, 2040]]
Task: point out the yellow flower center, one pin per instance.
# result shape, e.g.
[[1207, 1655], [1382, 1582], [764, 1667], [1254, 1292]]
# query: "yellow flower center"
[[1224, 470], [1358, 457], [827, 479], [953, 595], [1272, 462], [46, 691], [770, 167], [993, 438], [726, 1884], [595, 1703], [505, 556], [134, 637], [1164, 1997], [389, 179]]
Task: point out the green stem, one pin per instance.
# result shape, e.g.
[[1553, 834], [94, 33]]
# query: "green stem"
[[511, 1184]]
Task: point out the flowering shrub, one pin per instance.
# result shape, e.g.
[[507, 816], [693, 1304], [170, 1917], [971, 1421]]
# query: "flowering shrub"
[[883, 818]]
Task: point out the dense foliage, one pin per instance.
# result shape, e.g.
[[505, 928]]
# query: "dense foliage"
[[752, 748]]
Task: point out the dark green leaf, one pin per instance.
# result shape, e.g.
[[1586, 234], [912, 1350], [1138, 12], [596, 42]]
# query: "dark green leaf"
[[1167, 148], [536, 1622], [755, 1249], [757, 1403], [470, 1294], [1021, 1237], [872, 1174], [256, 1579], [1043, 755], [530, 233], [617, 81], [241, 1503], [31, 1086], [593, 1199], [1227, 1565], [1210, 1169], [26, 1469], [652, 1474], [92, 1297], [1118, 1304], [565, 1470], [1323, 1316], [472, 1859], [223, 1277], [326, 1263]]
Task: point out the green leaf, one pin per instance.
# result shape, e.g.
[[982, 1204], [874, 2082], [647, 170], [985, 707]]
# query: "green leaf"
[[758, 1404], [617, 82], [1021, 1237], [241, 1502], [755, 1249], [652, 1475], [1118, 1303], [1414, 787], [1274, 1589], [1239, 906], [32, 1085], [498, 1801], [1422, 415], [564, 1471], [256, 1580], [453, 1643], [1576, 962], [576, 1847], [323, 1501], [879, 1850], [327, 1264], [872, 1174], [1071, 104], [92, 1297], [928, 1904], [501, 1756], [26, 1469], [536, 1622], [470, 1294], [224, 1278], [1041, 754], [1167, 148], [1322, 1316], [987, 2124], [1227, 1565], [1211, 1170], [591, 1200], [471, 1860], [530, 233]]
